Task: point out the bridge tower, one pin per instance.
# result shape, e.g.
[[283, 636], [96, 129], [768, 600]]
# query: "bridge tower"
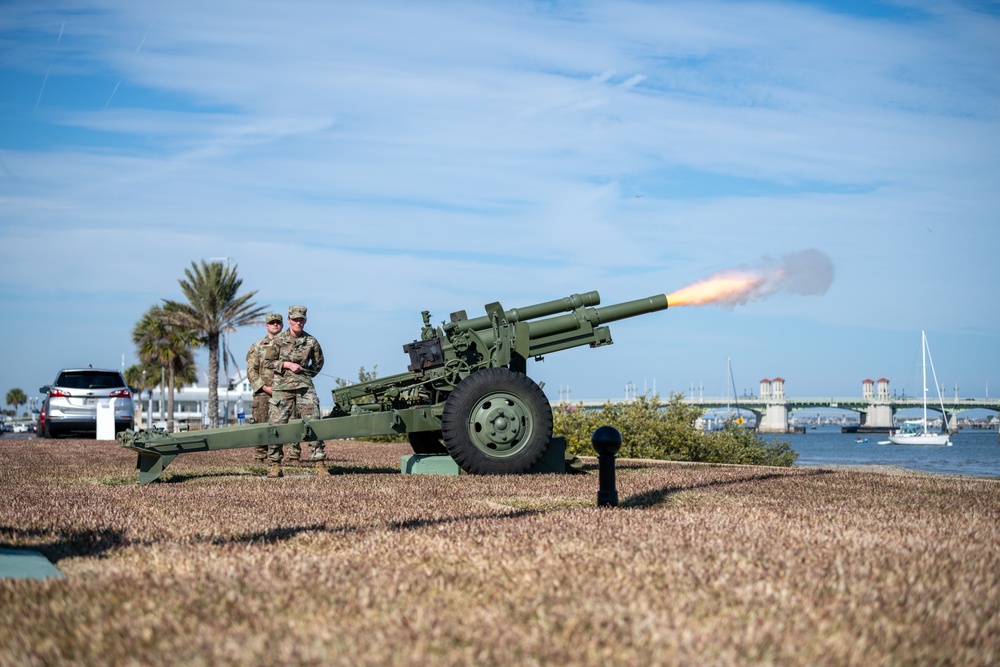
[[880, 412], [883, 389], [778, 389], [775, 417]]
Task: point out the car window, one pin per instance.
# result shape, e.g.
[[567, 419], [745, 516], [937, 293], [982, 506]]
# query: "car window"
[[88, 380]]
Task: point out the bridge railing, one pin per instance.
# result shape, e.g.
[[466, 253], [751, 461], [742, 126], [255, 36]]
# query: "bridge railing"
[[846, 403]]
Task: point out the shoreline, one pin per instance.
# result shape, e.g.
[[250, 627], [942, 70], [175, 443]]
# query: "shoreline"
[[891, 470]]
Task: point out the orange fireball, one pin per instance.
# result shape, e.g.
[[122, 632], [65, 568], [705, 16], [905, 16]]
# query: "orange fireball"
[[727, 287]]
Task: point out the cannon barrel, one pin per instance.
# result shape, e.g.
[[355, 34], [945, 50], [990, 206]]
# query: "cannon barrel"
[[531, 312], [597, 316], [583, 318]]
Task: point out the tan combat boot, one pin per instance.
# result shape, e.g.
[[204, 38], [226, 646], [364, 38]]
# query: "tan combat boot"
[[321, 470], [275, 470]]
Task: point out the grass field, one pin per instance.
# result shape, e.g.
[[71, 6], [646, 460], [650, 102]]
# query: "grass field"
[[217, 565]]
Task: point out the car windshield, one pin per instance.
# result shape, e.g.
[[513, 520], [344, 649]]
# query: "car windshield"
[[88, 380]]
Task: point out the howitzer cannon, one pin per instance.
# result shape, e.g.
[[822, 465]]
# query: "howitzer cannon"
[[466, 392]]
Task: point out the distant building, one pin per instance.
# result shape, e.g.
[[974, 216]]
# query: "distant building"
[[191, 404]]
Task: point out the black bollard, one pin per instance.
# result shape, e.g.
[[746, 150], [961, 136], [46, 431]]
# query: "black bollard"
[[607, 441]]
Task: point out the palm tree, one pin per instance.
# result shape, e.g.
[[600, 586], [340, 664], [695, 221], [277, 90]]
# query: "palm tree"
[[16, 398], [214, 307], [168, 346]]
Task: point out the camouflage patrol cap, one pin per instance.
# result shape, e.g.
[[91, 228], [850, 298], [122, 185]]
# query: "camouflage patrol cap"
[[272, 317], [296, 311]]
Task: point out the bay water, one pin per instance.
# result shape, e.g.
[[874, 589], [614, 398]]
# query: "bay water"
[[975, 453]]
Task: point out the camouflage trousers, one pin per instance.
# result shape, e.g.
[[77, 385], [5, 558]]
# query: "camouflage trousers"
[[259, 414], [282, 406]]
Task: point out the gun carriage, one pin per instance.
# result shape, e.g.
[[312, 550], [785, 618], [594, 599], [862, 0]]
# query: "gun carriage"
[[466, 392]]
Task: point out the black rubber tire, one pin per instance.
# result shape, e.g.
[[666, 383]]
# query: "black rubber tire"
[[497, 422], [427, 442]]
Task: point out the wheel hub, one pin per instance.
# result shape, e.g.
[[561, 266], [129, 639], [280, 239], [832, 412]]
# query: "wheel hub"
[[497, 424]]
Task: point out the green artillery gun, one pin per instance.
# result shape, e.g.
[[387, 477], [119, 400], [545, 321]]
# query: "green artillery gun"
[[466, 392]]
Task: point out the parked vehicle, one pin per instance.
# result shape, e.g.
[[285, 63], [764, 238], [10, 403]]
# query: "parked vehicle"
[[70, 405]]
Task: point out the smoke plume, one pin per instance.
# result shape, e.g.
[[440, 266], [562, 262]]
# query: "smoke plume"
[[805, 272]]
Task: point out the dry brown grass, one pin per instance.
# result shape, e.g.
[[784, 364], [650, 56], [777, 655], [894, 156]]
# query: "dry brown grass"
[[701, 564]]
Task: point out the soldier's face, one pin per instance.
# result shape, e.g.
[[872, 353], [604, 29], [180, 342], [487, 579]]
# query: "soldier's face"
[[296, 324], [274, 328]]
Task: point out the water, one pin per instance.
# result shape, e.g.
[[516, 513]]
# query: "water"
[[973, 452]]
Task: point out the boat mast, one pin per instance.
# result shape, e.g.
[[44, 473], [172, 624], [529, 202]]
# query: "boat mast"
[[923, 359], [732, 382], [937, 385]]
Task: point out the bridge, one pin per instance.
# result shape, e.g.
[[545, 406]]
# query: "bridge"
[[876, 414]]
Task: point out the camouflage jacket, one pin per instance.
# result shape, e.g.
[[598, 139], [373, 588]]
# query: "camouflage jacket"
[[260, 358], [305, 351]]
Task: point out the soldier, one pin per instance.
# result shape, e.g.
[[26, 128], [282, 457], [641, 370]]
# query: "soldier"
[[260, 374], [299, 359]]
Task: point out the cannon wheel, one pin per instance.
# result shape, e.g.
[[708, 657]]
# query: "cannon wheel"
[[496, 421], [427, 442]]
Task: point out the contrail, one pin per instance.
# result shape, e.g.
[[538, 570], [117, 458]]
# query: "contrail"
[[112, 96], [805, 272], [137, 49], [62, 27]]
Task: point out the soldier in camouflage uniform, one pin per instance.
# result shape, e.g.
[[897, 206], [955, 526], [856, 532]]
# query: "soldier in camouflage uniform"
[[299, 360], [259, 374]]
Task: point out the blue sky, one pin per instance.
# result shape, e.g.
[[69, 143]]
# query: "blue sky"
[[373, 160]]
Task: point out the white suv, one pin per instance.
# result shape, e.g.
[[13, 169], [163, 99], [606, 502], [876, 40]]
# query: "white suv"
[[70, 404]]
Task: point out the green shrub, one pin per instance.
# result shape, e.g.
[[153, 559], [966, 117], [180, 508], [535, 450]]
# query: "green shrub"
[[651, 430]]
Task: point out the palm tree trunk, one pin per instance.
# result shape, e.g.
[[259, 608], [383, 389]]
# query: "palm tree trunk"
[[213, 380], [170, 401]]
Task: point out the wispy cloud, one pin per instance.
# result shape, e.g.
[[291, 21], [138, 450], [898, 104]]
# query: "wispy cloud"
[[403, 157]]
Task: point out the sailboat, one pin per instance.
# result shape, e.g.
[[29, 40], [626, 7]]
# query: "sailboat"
[[719, 423], [914, 431]]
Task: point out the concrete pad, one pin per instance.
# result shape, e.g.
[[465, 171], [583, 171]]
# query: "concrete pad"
[[414, 464], [24, 564], [552, 461]]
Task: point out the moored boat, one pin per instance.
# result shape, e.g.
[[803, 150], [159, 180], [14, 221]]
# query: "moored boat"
[[915, 431]]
